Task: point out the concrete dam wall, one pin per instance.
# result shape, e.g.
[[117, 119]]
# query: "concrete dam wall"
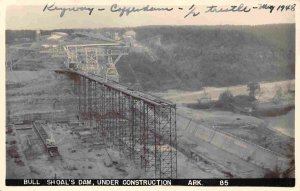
[[244, 149]]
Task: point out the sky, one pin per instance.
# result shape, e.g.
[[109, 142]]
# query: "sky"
[[33, 17]]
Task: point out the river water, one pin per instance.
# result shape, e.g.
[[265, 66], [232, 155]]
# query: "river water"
[[283, 123]]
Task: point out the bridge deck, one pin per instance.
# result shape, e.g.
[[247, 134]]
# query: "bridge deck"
[[154, 100]]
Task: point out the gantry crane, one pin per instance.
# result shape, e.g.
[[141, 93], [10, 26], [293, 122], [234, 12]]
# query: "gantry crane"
[[100, 59]]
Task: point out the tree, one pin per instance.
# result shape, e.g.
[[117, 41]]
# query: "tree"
[[253, 89], [226, 99]]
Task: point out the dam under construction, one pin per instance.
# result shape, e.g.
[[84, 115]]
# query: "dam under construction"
[[70, 115]]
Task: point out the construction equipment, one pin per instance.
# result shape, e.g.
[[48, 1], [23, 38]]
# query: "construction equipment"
[[46, 138], [100, 59]]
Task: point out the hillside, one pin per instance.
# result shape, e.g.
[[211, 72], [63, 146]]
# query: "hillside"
[[189, 57]]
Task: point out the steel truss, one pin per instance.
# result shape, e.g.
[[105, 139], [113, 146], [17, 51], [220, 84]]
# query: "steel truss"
[[100, 59], [91, 53], [144, 130]]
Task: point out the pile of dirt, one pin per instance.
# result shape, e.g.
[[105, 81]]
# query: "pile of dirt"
[[40, 93]]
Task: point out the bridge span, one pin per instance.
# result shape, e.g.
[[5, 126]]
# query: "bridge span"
[[141, 125]]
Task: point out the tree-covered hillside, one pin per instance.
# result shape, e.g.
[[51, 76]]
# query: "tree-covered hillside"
[[189, 57]]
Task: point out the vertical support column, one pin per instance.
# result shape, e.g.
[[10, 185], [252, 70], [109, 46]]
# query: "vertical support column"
[[132, 123], [116, 116], [120, 119], [151, 143], [84, 102], [108, 116], [89, 102], [136, 131], [101, 110], [104, 110], [94, 107], [126, 129], [97, 108], [112, 117], [157, 138], [173, 142], [79, 97], [104, 103], [143, 135], [167, 142], [75, 88], [108, 108]]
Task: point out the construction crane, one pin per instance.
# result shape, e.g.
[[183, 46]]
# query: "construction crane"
[[100, 59]]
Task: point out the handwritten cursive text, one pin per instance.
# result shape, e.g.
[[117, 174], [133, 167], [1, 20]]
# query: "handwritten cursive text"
[[63, 10], [233, 8], [123, 10]]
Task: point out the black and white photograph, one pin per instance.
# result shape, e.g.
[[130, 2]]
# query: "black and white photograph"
[[150, 93]]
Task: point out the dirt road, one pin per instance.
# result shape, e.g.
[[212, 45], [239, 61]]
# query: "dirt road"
[[268, 90]]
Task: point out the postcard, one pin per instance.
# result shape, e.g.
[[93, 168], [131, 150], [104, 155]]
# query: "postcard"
[[177, 94]]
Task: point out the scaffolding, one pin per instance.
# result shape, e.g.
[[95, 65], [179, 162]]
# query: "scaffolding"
[[141, 125], [99, 59]]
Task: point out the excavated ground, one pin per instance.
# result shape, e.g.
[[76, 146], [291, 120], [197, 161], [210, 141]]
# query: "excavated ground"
[[35, 91]]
